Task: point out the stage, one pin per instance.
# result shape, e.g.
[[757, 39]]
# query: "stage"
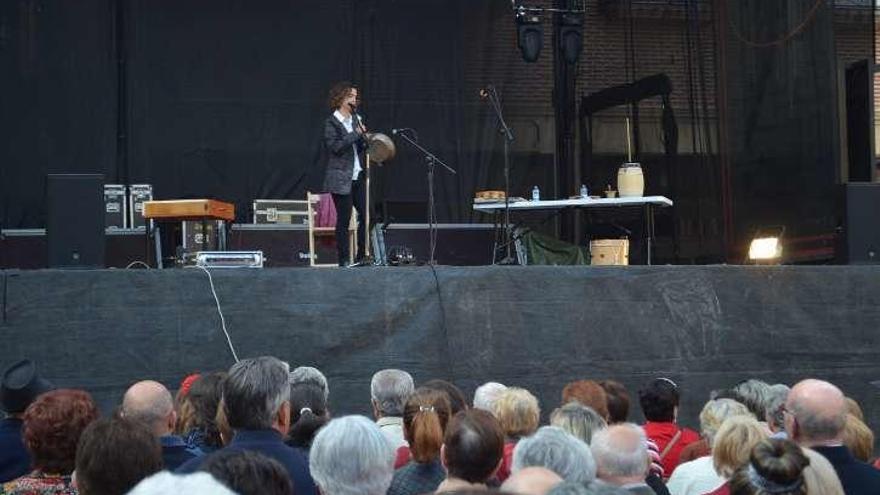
[[705, 327]]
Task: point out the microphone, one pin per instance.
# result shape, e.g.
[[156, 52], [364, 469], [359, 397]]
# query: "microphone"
[[487, 91], [400, 130]]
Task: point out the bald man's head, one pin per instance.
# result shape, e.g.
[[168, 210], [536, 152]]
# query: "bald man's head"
[[816, 413], [531, 481], [150, 403]]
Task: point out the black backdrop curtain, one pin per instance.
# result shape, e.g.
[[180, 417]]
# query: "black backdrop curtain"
[[57, 99], [783, 115], [226, 98]]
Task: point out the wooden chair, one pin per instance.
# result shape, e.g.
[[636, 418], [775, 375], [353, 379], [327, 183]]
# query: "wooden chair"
[[321, 230]]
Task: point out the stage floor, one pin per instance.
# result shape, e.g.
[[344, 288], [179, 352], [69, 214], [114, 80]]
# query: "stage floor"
[[705, 327]]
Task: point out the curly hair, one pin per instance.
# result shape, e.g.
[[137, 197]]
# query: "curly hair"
[[53, 425], [198, 409], [338, 93]]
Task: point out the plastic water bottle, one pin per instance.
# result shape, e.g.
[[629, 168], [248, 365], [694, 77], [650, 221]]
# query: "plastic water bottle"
[[536, 194], [584, 192]]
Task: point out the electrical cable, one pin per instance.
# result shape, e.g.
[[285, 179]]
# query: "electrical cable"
[[220, 312], [811, 14], [443, 326]]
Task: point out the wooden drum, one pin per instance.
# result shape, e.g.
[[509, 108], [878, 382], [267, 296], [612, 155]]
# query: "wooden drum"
[[609, 252]]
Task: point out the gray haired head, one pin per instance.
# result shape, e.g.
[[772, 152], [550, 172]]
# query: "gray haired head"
[[254, 392], [351, 456], [776, 406], [755, 394], [620, 451], [192, 484], [308, 374], [596, 487], [558, 451], [579, 420], [486, 394], [389, 390], [715, 412]]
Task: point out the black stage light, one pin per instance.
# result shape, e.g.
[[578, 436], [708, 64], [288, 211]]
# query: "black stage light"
[[529, 35], [571, 37]]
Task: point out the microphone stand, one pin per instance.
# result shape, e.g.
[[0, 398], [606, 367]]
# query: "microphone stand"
[[492, 95], [431, 160], [366, 255]]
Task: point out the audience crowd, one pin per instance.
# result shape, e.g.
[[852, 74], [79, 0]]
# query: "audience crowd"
[[260, 428]]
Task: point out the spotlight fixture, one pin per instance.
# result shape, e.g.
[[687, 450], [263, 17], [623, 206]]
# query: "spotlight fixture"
[[529, 34], [571, 37], [766, 247]]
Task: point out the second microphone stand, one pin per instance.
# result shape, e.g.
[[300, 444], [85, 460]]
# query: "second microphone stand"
[[492, 95], [431, 161]]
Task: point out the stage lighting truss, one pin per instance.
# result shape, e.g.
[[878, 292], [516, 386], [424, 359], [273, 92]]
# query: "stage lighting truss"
[[530, 30]]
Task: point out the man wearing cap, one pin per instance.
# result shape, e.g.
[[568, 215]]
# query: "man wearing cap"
[[19, 387]]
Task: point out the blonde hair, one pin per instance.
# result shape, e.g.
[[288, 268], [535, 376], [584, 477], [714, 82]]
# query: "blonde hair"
[[518, 412], [858, 438], [854, 408], [734, 442]]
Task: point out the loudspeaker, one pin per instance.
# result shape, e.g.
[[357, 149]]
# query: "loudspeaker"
[[859, 208], [75, 220], [283, 245], [24, 249]]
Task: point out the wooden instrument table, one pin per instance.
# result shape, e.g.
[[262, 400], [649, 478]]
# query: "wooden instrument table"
[[179, 210], [646, 202]]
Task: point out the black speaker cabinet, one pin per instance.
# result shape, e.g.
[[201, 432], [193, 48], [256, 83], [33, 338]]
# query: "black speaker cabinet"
[[25, 249], [859, 239], [75, 220], [283, 245], [468, 244]]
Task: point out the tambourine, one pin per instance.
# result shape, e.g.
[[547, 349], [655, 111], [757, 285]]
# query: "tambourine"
[[380, 147]]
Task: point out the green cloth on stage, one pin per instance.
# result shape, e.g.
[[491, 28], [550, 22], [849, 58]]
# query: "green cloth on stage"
[[541, 249]]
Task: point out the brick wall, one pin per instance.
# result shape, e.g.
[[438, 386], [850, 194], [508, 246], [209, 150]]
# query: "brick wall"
[[660, 47]]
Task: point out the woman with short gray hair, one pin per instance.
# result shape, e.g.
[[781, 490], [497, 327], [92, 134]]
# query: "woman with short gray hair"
[[557, 450], [351, 456]]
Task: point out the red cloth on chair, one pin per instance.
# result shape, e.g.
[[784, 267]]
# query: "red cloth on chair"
[[325, 211]]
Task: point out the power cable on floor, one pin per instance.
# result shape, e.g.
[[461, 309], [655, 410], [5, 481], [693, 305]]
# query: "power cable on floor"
[[220, 312]]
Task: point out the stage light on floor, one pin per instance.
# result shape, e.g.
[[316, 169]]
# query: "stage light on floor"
[[765, 249], [529, 34]]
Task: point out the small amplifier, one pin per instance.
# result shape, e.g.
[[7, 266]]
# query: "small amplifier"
[[281, 211], [137, 194], [115, 206], [229, 259]]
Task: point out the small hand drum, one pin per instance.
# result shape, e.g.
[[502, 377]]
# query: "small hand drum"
[[381, 148]]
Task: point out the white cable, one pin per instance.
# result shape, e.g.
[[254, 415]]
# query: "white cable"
[[220, 312]]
